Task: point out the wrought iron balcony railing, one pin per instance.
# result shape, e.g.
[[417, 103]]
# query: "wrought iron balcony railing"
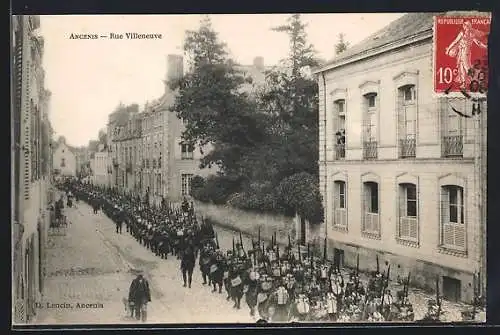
[[370, 150], [187, 155], [340, 151], [453, 146], [407, 147]]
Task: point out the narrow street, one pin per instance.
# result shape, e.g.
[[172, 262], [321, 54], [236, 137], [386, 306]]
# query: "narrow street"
[[92, 264]]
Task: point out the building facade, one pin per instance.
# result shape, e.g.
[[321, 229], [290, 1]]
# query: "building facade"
[[100, 166], [124, 133], [31, 173], [397, 163], [64, 160]]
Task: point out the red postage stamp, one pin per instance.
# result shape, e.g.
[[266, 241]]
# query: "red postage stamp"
[[461, 54]]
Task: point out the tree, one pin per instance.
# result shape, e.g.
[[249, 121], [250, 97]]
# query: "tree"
[[209, 100], [300, 194], [341, 44], [291, 100], [103, 137]]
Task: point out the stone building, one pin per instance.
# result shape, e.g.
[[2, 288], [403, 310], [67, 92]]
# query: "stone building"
[[100, 166], [123, 135], [31, 166], [397, 163], [64, 159]]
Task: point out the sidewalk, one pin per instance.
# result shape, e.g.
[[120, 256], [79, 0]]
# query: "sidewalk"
[[83, 271]]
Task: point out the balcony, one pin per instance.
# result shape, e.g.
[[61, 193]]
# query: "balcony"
[[370, 150], [453, 146], [340, 151], [407, 147]]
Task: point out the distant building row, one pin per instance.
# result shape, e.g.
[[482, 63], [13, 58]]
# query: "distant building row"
[[145, 154]]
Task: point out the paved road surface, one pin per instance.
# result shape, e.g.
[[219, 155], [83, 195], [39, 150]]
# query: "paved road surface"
[[93, 264]]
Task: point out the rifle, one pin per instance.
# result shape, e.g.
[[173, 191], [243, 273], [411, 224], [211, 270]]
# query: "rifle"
[[258, 238], [378, 265], [324, 250], [241, 243], [438, 300], [384, 286], [357, 276]]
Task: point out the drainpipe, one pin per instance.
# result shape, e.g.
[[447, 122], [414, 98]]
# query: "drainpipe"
[[324, 161]]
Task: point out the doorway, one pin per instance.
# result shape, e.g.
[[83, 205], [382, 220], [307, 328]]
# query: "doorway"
[[302, 238], [451, 289], [338, 258]]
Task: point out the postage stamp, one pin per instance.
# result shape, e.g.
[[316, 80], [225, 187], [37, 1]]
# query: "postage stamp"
[[461, 54]]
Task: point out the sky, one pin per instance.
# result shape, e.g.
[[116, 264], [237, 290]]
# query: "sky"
[[89, 78]]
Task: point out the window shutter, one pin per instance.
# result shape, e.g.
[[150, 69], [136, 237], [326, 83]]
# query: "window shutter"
[[403, 230], [26, 111], [366, 207], [401, 114], [446, 227], [336, 198]]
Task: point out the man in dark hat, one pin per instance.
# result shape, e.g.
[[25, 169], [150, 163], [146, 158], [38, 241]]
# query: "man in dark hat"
[[139, 295], [187, 265]]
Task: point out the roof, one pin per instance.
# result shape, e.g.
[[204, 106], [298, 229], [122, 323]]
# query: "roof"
[[408, 25]]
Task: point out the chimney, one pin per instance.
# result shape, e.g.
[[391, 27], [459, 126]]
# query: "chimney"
[[258, 63], [175, 67]]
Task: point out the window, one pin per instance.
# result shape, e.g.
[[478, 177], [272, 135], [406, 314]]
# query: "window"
[[452, 127], [371, 209], [407, 120], [63, 162], [371, 100], [340, 215], [187, 151], [339, 118], [340, 106], [408, 208], [452, 217], [186, 184]]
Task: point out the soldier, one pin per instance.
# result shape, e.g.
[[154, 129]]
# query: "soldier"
[[282, 301], [187, 265]]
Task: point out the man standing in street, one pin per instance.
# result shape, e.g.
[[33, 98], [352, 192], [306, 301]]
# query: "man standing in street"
[[119, 221], [187, 264], [139, 295]]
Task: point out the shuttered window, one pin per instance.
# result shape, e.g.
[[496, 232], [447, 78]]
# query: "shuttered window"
[[452, 217], [408, 208], [371, 208], [340, 207], [17, 115], [27, 132]]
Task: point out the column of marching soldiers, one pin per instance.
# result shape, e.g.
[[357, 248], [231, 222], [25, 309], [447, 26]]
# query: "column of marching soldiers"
[[280, 285]]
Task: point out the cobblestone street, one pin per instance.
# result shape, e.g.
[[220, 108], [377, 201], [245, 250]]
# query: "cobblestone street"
[[93, 264]]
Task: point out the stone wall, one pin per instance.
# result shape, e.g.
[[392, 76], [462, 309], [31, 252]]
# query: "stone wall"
[[249, 223]]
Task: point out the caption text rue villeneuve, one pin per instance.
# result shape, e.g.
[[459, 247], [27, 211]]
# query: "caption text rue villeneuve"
[[116, 36]]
